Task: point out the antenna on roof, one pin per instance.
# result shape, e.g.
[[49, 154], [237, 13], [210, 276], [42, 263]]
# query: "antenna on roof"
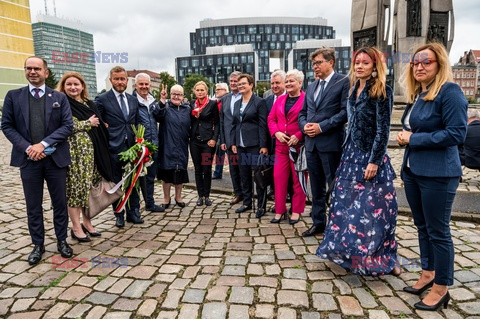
[[46, 9], [54, 8]]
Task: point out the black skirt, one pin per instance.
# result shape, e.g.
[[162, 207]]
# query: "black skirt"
[[173, 176]]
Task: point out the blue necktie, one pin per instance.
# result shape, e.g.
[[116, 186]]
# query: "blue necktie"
[[123, 106], [320, 92]]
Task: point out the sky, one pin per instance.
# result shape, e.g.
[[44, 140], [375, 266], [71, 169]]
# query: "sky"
[[154, 32]]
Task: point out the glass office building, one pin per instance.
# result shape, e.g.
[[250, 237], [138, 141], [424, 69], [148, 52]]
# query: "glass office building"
[[16, 44], [66, 48], [219, 47]]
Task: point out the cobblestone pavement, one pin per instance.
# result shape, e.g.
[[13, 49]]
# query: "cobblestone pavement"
[[208, 262]]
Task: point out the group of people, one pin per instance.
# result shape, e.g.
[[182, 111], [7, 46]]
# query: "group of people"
[[349, 171]]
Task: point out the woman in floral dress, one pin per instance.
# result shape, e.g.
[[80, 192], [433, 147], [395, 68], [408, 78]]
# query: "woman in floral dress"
[[360, 234], [89, 153]]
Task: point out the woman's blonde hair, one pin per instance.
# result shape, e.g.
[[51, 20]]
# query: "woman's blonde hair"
[[378, 83], [444, 74], [201, 83], [61, 85]]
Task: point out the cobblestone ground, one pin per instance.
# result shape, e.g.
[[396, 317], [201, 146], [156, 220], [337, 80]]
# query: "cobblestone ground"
[[208, 263]]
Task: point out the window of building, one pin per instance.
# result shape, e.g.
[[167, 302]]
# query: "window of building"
[[246, 38], [288, 45], [229, 39], [218, 31], [274, 37], [346, 64], [250, 59], [195, 62], [252, 29], [226, 60], [258, 37], [183, 63], [219, 60], [268, 29], [294, 38], [277, 29], [212, 41], [210, 32], [240, 29], [295, 29], [243, 59], [226, 31]]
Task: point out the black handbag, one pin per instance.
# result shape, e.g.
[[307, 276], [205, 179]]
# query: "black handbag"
[[263, 172]]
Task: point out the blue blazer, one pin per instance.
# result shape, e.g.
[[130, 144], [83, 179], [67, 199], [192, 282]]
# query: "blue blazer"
[[58, 125], [331, 114], [253, 123], [118, 127], [438, 127]]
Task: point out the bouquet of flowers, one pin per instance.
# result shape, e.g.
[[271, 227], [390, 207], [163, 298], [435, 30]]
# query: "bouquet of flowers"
[[137, 158]]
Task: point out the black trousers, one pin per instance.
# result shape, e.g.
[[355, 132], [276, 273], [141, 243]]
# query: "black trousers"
[[33, 176], [234, 168], [202, 157], [247, 160]]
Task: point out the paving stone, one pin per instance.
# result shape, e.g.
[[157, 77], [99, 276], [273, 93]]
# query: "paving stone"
[[241, 295], [294, 298], [27, 315], [43, 304], [194, 296], [292, 273], [233, 271], [379, 288], [22, 304], [272, 270], [234, 260], [214, 310], [238, 312], [4, 305], [322, 286], [172, 299], [365, 298], [118, 315], [75, 293], [179, 284], [324, 302], [461, 294], [147, 308], [183, 260], [471, 308], [286, 313], [78, 311], [255, 269], [262, 259], [266, 294], [395, 305], [189, 311], [96, 312], [466, 276], [264, 311], [137, 288], [57, 311], [320, 275], [141, 272], [231, 281], [342, 286], [263, 281], [285, 254], [217, 293], [101, 298], [294, 284], [377, 314], [310, 315], [9, 292], [350, 306], [167, 314]]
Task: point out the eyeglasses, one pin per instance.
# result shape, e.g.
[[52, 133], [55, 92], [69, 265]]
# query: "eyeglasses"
[[176, 94], [425, 63], [318, 62], [242, 83], [30, 69], [220, 90]]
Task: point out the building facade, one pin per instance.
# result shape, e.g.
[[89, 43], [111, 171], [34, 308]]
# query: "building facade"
[[222, 46], [466, 73], [66, 48], [16, 44]]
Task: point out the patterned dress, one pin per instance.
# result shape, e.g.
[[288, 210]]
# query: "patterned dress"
[[360, 234], [82, 172]]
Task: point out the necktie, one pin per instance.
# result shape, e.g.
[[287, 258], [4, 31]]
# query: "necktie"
[[36, 95], [320, 92], [123, 106]]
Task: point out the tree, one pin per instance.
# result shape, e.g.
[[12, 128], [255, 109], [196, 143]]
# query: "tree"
[[50, 81], [190, 81], [261, 87], [167, 80]]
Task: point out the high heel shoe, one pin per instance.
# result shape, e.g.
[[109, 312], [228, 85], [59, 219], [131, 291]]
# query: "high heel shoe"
[[93, 234], [294, 221], [167, 205], [277, 221], [418, 291], [80, 239], [179, 204], [443, 301]]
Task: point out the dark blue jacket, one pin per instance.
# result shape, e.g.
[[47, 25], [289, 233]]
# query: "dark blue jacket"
[[147, 119], [369, 122], [438, 127], [174, 134]]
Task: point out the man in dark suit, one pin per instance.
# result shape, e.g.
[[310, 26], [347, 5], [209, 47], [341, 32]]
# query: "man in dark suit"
[[37, 120], [322, 120], [227, 135], [120, 111], [470, 150]]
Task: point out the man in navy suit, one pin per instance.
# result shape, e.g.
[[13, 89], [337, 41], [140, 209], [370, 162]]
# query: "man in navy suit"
[[120, 111], [227, 134], [322, 120], [37, 120]]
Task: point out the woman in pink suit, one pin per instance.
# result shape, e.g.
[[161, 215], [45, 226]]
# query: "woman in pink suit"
[[283, 125]]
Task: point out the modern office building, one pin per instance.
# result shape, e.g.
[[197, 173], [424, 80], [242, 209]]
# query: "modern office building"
[[66, 48], [16, 44], [249, 45]]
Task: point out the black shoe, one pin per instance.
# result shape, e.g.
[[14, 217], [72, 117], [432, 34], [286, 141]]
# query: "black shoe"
[[208, 202], [294, 221], [277, 221], [418, 291], [443, 301], [36, 254], [200, 201], [216, 177], [85, 239], [165, 206], [155, 208], [133, 216], [314, 230], [180, 204], [92, 234], [260, 212], [236, 200], [65, 250], [242, 209], [119, 220]]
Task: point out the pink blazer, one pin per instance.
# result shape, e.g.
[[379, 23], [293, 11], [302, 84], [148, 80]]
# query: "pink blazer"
[[278, 122]]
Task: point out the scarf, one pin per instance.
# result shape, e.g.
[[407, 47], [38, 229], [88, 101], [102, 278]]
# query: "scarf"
[[98, 135], [199, 107]]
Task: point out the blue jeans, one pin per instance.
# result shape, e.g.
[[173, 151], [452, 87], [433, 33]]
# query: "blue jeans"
[[431, 200]]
